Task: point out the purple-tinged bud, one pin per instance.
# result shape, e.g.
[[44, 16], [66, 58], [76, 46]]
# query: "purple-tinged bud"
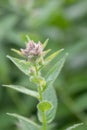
[[32, 49]]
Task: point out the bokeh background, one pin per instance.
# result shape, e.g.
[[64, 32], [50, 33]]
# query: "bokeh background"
[[64, 22]]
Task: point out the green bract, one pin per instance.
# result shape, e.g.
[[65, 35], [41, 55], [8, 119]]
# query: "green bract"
[[34, 60]]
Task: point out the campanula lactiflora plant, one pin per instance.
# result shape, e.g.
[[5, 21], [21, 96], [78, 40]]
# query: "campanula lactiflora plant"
[[33, 59]]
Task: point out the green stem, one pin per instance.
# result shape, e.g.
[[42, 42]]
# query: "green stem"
[[40, 100], [44, 121], [43, 113], [40, 94]]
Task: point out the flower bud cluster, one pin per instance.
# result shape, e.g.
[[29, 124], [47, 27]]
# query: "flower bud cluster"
[[32, 50], [35, 55]]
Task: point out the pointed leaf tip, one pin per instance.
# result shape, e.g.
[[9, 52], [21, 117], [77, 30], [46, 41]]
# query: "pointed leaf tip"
[[52, 56], [7, 56], [17, 51], [46, 52], [28, 38], [75, 126], [23, 90], [45, 43]]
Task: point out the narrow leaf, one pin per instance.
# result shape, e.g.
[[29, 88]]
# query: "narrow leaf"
[[74, 126], [55, 70], [52, 56], [44, 106], [25, 123], [21, 64], [23, 90], [28, 38], [46, 52], [45, 43], [17, 51]]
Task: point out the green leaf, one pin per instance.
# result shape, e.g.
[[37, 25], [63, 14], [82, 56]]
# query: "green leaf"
[[28, 38], [45, 43], [74, 126], [49, 93], [46, 52], [55, 70], [25, 123], [50, 96], [52, 56], [17, 51], [44, 106], [23, 90], [21, 64]]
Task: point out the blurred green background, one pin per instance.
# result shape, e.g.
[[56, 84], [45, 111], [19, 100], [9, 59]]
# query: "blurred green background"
[[64, 22]]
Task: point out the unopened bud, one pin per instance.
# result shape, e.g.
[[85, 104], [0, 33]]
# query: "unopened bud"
[[32, 49], [32, 71]]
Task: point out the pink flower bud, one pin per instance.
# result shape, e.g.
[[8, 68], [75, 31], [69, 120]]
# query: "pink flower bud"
[[32, 49]]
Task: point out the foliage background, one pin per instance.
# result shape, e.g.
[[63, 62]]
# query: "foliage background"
[[64, 22]]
